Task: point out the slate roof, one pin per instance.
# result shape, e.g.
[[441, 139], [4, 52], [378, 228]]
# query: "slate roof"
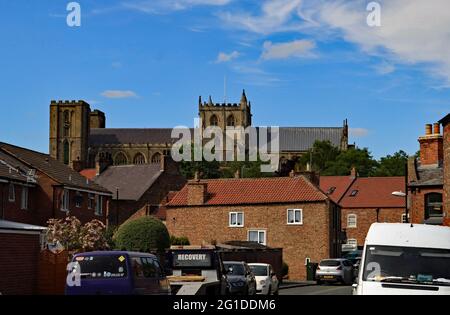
[[291, 138], [9, 225], [375, 192], [131, 180], [341, 184], [255, 191], [12, 169], [56, 170], [432, 175]]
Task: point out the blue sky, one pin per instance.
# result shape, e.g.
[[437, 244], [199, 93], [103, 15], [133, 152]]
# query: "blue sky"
[[302, 63]]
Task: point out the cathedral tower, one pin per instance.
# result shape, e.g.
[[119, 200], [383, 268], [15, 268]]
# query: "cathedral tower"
[[69, 132]]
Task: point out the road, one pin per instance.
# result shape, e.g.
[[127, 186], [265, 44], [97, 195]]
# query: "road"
[[318, 290]]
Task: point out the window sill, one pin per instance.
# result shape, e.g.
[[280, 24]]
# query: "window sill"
[[236, 226], [301, 223]]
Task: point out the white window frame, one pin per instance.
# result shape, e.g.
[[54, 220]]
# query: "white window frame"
[[352, 226], [24, 198], [78, 194], [295, 211], [258, 231], [98, 205], [237, 225], [65, 201], [11, 193], [352, 242], [403, 218], [91, 201]]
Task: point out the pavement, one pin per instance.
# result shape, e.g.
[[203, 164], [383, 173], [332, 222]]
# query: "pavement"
[[330, 289], [296, 284]]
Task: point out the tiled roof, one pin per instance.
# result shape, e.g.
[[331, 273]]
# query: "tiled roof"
[[430, 175], [56, 170], [12, 169], [291, 138], [335, 186], [255, 191], [375, 192], [131, 180]]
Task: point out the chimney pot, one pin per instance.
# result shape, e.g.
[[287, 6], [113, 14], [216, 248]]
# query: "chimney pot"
[[428, 129], [437, 128], [237, 174]]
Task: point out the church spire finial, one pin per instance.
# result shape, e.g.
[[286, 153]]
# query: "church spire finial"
[[210, 102], [200, 100], [244, 97]]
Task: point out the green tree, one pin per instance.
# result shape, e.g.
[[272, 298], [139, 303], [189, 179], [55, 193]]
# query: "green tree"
[[392, 165], [361, 159], [179, 240], [145, 234], [321, 155], [205, 168]]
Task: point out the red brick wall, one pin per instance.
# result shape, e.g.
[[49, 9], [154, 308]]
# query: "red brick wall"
[[447, 174], [211, 224], [19, 254], [431, 150], [417, 207], [44, 203], [366, 217]]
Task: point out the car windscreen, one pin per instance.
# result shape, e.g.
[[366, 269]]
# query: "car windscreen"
[[235, 269], [330, 263], [102, 267], [259, 271], [407, 264]]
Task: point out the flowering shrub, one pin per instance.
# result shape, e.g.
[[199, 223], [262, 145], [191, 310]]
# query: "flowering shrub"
[[73, 236]]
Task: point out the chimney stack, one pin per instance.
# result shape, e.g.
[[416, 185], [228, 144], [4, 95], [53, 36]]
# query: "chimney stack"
[[431, 146], [237, 174], [354, 172], [197, 192], [446, 158]]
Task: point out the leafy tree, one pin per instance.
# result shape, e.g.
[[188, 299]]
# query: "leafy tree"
[[322, 153], [205, 168], [145, 234], [361, 159], [392, 165], [179, 240]]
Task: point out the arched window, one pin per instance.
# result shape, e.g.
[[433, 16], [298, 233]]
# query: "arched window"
[[433, 205], [230, 121], [156, 158], [66, 123], [139, 159], [121, 159], [66, 152], [214, 121]]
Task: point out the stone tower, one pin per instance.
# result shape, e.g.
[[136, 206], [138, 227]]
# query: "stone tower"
[[69, 132], [223, 115]]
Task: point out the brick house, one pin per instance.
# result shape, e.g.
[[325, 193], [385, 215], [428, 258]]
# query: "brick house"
[[139, 190], [289, 213], [35, 187], [446, 158], [364, 201], [426, 178]]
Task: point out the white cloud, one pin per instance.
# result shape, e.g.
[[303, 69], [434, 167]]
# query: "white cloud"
[[224, 57], [118, 94], [165, 6], [413, 32], [297, 48], [384, 68], [358, 132]]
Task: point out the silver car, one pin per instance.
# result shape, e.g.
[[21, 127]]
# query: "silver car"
[[335, 270]]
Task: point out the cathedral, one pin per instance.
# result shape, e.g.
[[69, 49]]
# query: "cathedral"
[[80, 139]]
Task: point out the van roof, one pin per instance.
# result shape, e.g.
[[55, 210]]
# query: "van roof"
[[114, 252], [407, 235]]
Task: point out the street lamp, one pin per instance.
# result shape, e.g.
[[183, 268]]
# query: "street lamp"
[[403, 195]]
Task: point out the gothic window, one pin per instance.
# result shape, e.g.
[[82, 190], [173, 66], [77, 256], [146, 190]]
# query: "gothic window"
[[230, 121], [433, 205], [139, 159], [66, 152], [121, 159], [66, 123], [214, 121], [156, 158]]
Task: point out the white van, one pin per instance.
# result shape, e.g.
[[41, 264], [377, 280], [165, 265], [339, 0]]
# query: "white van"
[[405, 259]]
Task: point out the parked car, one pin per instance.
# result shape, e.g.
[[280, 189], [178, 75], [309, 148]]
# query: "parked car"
[[116, 273], [266, 280], [240, 278], [405, 259], [335, 270]]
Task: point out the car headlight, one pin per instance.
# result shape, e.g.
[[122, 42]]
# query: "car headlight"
[[262, 282]]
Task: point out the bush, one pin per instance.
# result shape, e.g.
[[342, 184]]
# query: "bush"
[[179, 240], [284, 269], [144, 234]]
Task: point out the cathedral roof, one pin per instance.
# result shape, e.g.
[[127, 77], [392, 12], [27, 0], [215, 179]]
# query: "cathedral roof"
[[294, 139]]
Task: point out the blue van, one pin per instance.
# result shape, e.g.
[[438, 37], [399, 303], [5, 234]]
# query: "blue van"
[[116, 273]]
